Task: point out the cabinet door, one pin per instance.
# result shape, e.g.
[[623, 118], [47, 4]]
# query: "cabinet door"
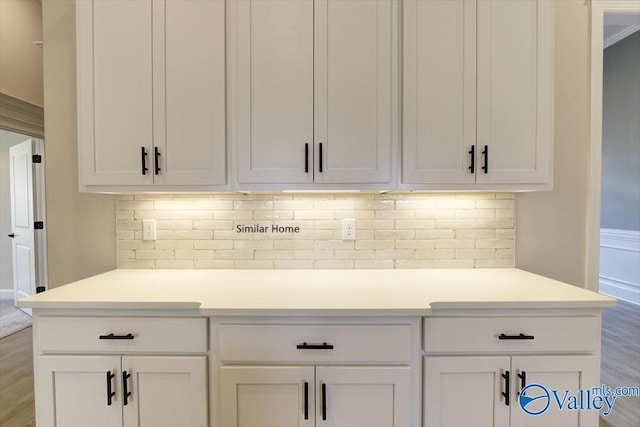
[[363, 396], [353, 82], [189, 91], [165, 391], [271, 75], [566, 374], [267, 396], [465, 391], [515, 90], [72, 391], [114, 56], [439, 91]]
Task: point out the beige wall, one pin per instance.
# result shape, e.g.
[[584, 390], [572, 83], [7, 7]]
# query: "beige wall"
[[551, 226], [20, 59], [81, 227]]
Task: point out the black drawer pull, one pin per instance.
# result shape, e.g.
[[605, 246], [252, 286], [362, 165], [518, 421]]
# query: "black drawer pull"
[[516, 337], [472, 152], [117, 337], [323, 346]]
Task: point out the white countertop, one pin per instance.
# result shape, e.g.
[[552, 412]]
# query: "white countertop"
[[317, 292]]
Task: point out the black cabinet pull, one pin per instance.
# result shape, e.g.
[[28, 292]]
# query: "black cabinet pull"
[[472, 152], [306, 400], [320, 159], [156, 165], [306, 158], [485, 152], [523, 381], [117, 337], [324, 402], [12, 235], [323, 346], [144, 161], [516, 337], [507, 387], [125, 387], [110, 392]]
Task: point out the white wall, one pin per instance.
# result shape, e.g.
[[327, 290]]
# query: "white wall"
[[81, 227], [551, 226]]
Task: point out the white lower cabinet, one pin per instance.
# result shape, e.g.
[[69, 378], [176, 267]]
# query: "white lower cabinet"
[[476, 368], [122, 391], [126, 371], [482, 391], [307, 375], [296, 396]]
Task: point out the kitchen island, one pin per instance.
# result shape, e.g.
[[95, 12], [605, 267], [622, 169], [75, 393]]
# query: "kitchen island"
[[234, 348]]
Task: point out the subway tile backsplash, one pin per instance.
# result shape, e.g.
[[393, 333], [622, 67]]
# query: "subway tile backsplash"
[[303, 231]]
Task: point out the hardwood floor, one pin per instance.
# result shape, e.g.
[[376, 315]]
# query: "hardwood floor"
[[17, 408], [620, 367], [621, 361]]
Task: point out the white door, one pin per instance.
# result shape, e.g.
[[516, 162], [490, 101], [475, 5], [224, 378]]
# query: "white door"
[[439, 92], [271, 76], [164, 391], [353, 91], [22, 218], [80, 391], [562, 373], [515, 91], [267, 396], [189, 92], [465, 391], [363, 396], [115, 102]]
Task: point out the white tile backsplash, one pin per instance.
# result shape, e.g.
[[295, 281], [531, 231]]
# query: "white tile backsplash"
[[396, 230]]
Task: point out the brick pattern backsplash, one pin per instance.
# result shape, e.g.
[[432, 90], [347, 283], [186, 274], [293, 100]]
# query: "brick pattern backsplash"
[[394, 230]]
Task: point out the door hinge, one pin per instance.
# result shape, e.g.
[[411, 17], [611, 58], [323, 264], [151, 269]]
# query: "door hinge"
[[38, 225], [37, 158]]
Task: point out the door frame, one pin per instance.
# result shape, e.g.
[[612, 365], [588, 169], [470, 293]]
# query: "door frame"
[[592, 257]]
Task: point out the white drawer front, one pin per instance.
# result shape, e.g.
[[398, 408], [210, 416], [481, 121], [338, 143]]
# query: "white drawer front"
[[150, 334], [338, 343], [483, 334]]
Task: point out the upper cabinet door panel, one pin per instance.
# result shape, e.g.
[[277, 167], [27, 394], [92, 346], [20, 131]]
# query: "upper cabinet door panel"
[[439, 110], [115, 90], [353, 59], [189, 91], [272, 78], [515, 105]]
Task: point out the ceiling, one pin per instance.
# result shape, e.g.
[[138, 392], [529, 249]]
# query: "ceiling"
[[617, 26]]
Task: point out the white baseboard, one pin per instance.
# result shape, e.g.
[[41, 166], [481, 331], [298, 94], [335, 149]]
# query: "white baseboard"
[[620, 264], [6, 293]]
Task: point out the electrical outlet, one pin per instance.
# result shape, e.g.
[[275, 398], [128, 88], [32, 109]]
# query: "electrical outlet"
[[148, 229], [348, 229]]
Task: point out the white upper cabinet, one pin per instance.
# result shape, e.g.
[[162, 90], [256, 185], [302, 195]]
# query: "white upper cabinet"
[[478, 93], [151, 93], [311, 91]]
